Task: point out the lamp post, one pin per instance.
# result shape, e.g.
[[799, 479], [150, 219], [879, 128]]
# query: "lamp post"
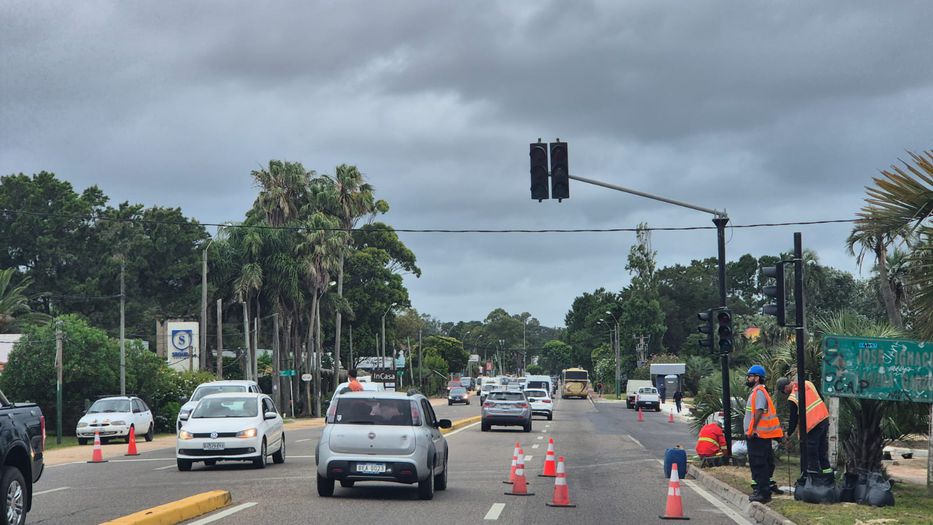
[[382, 361], [617, 351], [499, 355]]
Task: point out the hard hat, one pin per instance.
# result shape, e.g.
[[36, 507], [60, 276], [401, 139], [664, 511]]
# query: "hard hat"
[[756, 370], [782, 383]]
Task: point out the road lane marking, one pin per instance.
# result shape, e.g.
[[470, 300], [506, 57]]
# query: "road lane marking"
[[528, 458], [223, 513], [461, 429], [140, 460], [736, 517], [493, 513], [540, 437], [302, 440], [635, 440], [536, 445], [166, 467], [50, 490]]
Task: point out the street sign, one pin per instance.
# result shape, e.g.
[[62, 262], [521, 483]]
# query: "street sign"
[[878, 368], [306, 378], [381, 375], [287, 373]]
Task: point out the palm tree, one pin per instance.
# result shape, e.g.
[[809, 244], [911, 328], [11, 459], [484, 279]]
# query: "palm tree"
[[14, 303]]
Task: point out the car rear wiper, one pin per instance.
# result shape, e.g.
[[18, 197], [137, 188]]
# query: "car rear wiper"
[[359, 422]]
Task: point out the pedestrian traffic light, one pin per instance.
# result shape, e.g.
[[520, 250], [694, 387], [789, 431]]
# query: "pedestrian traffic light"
[[706, 328], [539, 173], [724, 318], [777, 292], [560, 171]]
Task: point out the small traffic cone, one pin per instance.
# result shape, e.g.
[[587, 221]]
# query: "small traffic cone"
[[550, 465], [98, 455], [641, 415], [520, 488], [670, 417], [675, 508], [561, 497], [131, 449], [514, 464]]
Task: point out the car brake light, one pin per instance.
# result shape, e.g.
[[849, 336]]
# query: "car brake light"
[[488, 404], [331, 413], [545, 400], [415, 415], [42, 426], [522, 405]]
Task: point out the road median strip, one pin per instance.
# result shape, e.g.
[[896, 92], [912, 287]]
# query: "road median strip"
[[460, 423], [177, 511]]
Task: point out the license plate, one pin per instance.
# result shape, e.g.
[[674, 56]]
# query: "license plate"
[[371, 468], [213, 446]]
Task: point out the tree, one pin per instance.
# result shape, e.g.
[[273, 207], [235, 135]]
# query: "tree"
[[15, 311], [557, 356], [641, 313], [449, 349]]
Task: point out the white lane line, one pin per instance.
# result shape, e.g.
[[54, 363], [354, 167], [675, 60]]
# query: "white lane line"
[[528, 458], [547, 426], [543, 431], [461, 429], [223, 514], [166, 467], [140, 460], [536, 445], [736, 517], [302, 440], [50, 490], [493, 513], [540, 437], [636, 441]]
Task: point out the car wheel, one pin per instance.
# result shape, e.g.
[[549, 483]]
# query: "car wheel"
[[260, 462], [484, 427], [13, 497], [528, 427], [279, 457], [82, 441], [210, 462], [426, 487], [468, 402], [184, 465], [449, 403], [550, 416], [325, 487], [347, 483], [150, 433], [440, 480]]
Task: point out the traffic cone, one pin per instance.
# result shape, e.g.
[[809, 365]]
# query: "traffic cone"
[[675, 507], [641, 415], [520, 488], [514, 464], [98, 454], [131, 449], [550, 466], [561, 497], [670, 417]]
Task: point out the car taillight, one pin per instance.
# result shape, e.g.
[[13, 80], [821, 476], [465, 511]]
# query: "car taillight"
[[331, 413], [545, 400], [42, 426], [415, 415], [522, 405], [488, 404]]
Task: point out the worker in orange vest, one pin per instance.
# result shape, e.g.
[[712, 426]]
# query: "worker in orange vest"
[[817, 424], [761, 427], [711, 442]]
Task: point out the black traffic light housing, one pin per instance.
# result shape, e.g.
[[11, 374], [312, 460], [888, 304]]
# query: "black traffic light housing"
[[539, 170], [777, 308], [726, 341], [560, 171], [706, 328]]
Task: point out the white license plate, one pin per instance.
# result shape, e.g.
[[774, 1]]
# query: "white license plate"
[[213, 446], [371, 468]]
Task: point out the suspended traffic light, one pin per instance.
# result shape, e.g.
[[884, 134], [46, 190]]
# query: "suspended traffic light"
[[724, 318], [539, 173], [706, 328], [560, 171], [776, 309]]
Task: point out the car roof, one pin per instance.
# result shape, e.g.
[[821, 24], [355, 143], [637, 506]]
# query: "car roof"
[[372, 394], [127, 398], [232, 382], [233, 394]]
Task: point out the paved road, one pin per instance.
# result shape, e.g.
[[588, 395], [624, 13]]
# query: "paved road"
[[612, 466]]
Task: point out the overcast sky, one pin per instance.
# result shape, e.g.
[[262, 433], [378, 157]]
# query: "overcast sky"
[[776, 112]]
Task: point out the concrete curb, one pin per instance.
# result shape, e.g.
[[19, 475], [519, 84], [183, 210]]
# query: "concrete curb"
[[460, 423], [762, 514], [177, 511]]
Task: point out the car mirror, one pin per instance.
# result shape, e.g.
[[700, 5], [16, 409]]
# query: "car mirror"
[[183, 417], [444, 423], [182, 400], [270, 415]]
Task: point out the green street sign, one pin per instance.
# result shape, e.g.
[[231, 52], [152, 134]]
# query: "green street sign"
[[287, 373], [878, 368]]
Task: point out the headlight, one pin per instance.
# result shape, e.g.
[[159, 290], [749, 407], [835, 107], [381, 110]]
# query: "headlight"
[[82, 424], [118, 423], [248, 433], [185, 411], [184, 434]]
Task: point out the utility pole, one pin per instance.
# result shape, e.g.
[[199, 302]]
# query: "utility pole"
[[202, 358], [800, 334], [421, 363], [350, 359], [256, 349], [248, 360], [220, 340], [59, 365], [122, 326], [618, 349], [276, 380]]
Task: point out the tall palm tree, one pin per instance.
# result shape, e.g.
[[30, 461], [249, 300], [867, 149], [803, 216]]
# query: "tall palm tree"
[[14, 303]]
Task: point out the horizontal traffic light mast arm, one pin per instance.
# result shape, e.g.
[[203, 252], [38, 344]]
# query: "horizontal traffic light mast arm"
[[717, 213]]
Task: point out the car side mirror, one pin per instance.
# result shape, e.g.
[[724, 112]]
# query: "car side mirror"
[[444, 423], [183, 417], [270, 415], [182, 400]]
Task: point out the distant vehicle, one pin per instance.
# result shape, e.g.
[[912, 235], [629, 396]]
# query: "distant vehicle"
[[382, 436], [238, 426], [466, 382], [542, 382], [344, 388], [631, 388], [22, 447], [213, 387], [487, 388], [458, 395], [541, 402], [453, 383], [647, 397], [576, 383], [113, 417], [509, 408]]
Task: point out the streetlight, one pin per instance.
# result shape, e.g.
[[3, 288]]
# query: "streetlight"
[[617, 351], [382, 363]]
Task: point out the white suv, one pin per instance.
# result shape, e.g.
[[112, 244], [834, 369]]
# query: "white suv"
[[214, 387], [382, 436], [541, 402]]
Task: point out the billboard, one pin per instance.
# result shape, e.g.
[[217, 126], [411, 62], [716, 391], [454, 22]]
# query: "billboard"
[[182, 345], [878, 368]]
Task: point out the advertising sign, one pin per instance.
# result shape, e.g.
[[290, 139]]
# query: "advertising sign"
[[182, 345], [877, 368], [381, 375]]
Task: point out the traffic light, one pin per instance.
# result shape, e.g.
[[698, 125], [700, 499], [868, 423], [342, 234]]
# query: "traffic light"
[[724, 318], [777, 291], [706, 328], [560, 171], [539, 173]]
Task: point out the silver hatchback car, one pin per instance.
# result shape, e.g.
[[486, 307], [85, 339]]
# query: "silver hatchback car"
[[382, 436]]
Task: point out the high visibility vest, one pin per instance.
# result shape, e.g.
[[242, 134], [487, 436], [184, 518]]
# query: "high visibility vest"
[[711, 441], [768, 426], [816, 409]]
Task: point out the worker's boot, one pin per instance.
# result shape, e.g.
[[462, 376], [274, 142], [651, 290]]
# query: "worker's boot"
[[761, 497], [775, 489]]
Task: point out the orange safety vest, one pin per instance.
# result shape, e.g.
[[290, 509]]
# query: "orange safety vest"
[[711, 441], [768, 426], [816, 409]]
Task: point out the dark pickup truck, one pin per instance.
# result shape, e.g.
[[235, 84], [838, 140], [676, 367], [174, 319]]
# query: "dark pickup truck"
[[22, 442]]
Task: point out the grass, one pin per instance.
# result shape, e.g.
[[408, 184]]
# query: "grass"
[[67, 441]]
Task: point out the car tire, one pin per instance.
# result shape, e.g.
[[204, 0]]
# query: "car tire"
[[82, 441], [484, 427], [440, 480], [260, 462], [14, 492], [347, 483], [550, 416], [468, 402], [210, 462], [528, 427], [426, 487], [449, 403], [184, 465], [279, 456], [325, 487], [150, 434]]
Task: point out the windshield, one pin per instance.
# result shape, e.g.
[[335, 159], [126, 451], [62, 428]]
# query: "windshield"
[[647, 391], [227, 407], [207, 390], [578, 375], [352, 411], [535, 393], [110, 405], [507, 396], [458, 391], [537, 384]]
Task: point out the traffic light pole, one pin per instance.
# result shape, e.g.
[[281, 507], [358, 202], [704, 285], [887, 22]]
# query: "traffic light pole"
[[800, 333]]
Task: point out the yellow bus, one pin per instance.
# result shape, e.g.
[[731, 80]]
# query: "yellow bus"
[[575, 382]]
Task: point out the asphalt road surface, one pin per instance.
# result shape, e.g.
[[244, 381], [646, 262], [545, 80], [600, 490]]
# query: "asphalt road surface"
[[613, 465]]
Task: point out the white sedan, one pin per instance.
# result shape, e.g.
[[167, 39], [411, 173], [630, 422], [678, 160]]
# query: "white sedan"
[[112, 417], [231, 427]]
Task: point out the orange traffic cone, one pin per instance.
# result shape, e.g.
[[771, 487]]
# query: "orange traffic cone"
[[98, 455], [641, 416], [514, 464], [550, 465], [561, 496], [670, 417], [675, 507], [131, 449], [520, 488]]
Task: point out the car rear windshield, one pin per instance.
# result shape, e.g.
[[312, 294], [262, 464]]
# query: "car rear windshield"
[[110, 405], [227, 407], [507, 396], [352, 411], [647, 390], [576, 376], [216, 389], [535, 393], [537, 384]]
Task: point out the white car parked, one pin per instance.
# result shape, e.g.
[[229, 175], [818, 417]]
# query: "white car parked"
[[214, 387], [113, 417], [541, 402], [231, 427]]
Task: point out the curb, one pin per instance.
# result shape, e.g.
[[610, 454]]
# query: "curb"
[[177, 511], [759, 513], [460, 423]]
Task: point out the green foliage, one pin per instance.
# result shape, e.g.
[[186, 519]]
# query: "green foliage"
[[14, 303], [557, 356], [698, 367], [641, 313], [435, 372], [535, 370], [449, 349]]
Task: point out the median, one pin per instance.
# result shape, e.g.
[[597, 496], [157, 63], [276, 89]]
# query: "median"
[[177, 511], [460, 423]]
